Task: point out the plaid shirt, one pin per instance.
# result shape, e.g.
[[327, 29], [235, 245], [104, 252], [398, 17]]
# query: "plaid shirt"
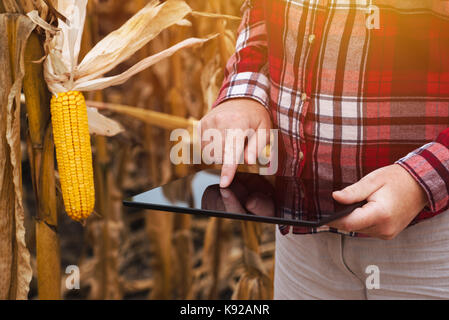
[[350, 96]]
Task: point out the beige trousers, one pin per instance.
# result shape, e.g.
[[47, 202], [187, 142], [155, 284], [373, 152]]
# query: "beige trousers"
[[415, 265]]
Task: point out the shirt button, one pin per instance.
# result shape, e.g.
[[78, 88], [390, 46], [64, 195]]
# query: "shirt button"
[[311, 38], [304, 97]]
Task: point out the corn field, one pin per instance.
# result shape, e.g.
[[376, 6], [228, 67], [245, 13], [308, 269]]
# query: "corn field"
[[121, 253]]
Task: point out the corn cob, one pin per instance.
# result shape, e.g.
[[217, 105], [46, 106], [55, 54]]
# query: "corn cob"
[[73, 153]]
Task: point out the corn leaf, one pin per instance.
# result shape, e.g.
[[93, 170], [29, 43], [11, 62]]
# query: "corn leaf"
[[102, 83], [132, 36], [101, 125]]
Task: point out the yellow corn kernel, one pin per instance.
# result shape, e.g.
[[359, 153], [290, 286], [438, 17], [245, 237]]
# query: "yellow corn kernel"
[[73, 153]]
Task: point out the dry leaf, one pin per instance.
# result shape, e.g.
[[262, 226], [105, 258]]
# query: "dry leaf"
[[132, 36], [209, 81], [184, 23], [62, 71], [15, 269], [101, 125], [102, 83], [34, 16]]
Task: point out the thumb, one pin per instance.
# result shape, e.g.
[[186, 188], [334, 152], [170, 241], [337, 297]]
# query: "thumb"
[[358, 191]]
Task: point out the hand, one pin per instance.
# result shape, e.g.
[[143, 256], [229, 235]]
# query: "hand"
[[394, 200], [241, 114]]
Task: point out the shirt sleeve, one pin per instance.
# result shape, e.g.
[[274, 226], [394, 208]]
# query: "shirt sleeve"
[[245, 74], [429, 165]]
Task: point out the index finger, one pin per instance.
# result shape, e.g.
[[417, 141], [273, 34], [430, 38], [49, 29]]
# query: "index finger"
[[233, 152]]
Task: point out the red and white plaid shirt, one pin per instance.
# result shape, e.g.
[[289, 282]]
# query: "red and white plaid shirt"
[[347, 95]]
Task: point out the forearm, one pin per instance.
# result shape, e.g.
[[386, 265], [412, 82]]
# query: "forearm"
[[245, 74], [429, 165]]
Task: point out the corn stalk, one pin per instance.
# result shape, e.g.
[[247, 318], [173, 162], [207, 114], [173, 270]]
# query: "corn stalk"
[[216, 253], [15, 269], [159, 227], [104, 232], [255, 283], [182, 235], [41, 154]]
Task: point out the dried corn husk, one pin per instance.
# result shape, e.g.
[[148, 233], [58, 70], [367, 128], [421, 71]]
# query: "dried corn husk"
[[62, 71]]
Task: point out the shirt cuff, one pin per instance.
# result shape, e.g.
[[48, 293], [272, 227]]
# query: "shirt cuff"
[[429, 165], [252, 85]]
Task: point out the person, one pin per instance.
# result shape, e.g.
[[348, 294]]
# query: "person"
[[359, 91]]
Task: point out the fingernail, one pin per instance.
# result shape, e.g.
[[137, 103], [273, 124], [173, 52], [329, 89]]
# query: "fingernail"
[[224, 181]]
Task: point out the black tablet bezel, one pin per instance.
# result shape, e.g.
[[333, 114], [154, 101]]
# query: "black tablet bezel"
[[238, 216]]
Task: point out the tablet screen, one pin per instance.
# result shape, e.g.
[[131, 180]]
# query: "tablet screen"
[[277, 200]]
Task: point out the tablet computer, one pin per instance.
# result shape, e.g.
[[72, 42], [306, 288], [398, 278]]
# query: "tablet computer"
[[276, 200]]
